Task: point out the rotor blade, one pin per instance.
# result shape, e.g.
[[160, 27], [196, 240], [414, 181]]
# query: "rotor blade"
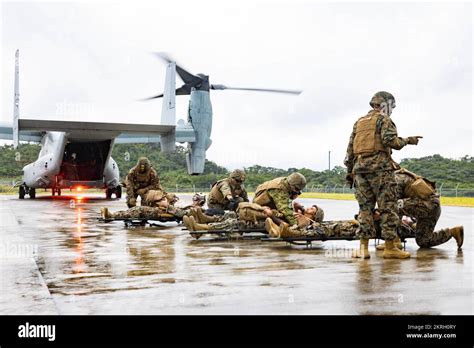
[[151, 98], [287, 91], [179, 91], [185, 75]]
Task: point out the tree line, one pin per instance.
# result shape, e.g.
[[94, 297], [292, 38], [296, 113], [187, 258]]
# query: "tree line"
[[172, 167]]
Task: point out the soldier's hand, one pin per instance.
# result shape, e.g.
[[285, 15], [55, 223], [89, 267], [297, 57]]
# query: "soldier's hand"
[[414, 140], [350, 179], [233, 204], [268, 212], [400, 204]]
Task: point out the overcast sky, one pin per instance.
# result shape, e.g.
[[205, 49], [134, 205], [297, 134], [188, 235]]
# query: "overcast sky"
[[91, 61]]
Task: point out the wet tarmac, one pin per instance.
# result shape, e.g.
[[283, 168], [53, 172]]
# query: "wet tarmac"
[[56, 258]]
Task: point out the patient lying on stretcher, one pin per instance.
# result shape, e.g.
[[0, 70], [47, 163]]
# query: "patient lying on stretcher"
[[160, 205], [249, 216], [336, 228]]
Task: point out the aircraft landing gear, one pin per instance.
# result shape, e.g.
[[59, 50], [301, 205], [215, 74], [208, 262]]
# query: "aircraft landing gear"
[[116, 190], [56, 190], [24, 190]]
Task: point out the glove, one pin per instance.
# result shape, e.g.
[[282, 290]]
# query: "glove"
[[350, 179], [233, 204], [400, 204], [132, 202], [413, 140]]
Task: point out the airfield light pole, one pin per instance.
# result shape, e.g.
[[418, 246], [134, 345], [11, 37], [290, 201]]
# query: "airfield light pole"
[[329, 160]]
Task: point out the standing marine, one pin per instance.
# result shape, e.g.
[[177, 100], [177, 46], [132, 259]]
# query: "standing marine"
[[226, 194], [370, 168], [141, 179]]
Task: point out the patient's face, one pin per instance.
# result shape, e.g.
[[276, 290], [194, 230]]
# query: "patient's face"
[[163, 203], [311, 211]]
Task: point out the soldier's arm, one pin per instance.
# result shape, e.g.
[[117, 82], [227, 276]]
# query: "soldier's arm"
[[349, 160], [129, 184], [154, 182], [389, 134], [225, 189], [417, 207], [245, 195], [282, 203]]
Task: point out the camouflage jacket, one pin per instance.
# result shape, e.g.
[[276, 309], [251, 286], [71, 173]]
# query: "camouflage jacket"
[[142, 181], [222, 189], [380, 161], [282, 203], [415, 207]]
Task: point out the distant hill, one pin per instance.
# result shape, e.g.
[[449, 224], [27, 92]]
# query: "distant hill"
[[172, 167]]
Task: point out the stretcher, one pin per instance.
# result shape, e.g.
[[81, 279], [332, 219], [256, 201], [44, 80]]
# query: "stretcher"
[[320, 237], [152, 222], [262, 235], [250, 234]]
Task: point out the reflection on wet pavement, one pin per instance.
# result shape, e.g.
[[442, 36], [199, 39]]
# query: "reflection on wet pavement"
[[91, 267]]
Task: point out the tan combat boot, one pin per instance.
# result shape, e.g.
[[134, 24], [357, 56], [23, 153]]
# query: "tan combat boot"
[[392, 252], [397, 242], [287, 232], [187, 222], [198, 227], [193, 213], [272, 228], [458, 234], [363, 252], [105, 213], [203, 218]]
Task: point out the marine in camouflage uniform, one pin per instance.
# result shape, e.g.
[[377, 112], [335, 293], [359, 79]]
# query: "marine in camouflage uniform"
[[371, 169], [278, 194], [417, 198], [141, 179], [249, 216], [227, 193], [343, 228], [162, 208]]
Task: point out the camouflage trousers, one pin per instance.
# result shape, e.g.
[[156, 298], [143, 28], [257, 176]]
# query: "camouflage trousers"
[[235, 224], [145, 212], [132, 198], [139, 212], [427, 213], [343, 228], [377, 188]]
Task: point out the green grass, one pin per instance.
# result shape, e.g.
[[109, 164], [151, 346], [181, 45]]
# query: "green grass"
[[450, 201]]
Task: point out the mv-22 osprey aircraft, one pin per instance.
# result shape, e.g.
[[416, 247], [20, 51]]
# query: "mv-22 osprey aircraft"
[[77, 154]]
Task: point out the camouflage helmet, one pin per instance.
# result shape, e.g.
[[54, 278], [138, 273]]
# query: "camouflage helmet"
[[319, 214], [381, 97], [154, 196], [199, 198], [144, 161], [172, 198], [238, 175], [297, 181]]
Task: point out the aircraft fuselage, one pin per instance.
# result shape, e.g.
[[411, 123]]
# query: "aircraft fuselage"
[[67, 163]]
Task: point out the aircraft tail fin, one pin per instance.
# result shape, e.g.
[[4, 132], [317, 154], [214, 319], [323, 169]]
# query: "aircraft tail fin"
[[16, 100], [168, 112]]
